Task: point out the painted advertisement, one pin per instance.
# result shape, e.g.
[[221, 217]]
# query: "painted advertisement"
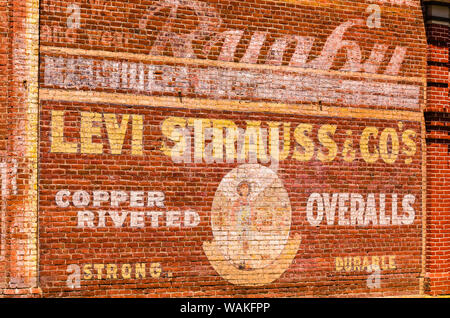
[[239, 148]]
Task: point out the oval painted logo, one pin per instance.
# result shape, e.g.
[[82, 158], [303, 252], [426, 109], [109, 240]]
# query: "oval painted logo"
[[251, 221]]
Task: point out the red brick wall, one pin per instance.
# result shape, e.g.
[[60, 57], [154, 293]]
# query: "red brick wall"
[[143, 111], [18, 112], [3, 118], [127, 87], [437, 118]]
